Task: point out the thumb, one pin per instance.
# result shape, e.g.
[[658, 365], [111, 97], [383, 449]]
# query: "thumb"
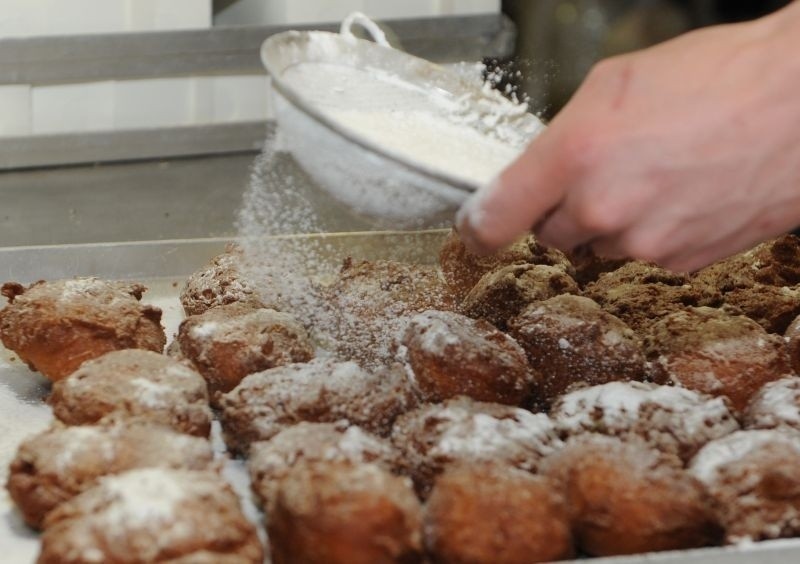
[[500, 212]]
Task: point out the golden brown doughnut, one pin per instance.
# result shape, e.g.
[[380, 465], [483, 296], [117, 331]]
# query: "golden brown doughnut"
[[58, 464], [228, 342], [56, 326], [716, 353], [271, 460], [492, 513], [152, 515], [321, 391], [463, 269], [571, 340], [345, 513], [503, 293], [134, 385], [627, 498], [451, 355], [752, 476], [673, 419]]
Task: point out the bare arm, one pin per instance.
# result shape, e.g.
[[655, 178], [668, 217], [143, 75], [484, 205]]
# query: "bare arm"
[[680, 154]]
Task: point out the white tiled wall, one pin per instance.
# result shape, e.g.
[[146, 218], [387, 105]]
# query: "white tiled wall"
[[25, 18], [15, 109], [310, 11]]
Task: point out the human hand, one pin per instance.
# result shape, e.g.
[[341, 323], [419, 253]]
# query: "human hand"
[[680, 154]]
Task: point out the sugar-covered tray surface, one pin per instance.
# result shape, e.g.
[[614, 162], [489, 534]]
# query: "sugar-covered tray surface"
[[163, 267]]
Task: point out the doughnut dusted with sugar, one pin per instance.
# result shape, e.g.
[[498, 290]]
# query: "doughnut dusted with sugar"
[[60, 463], [152, 515], [752, 476], [711, 351], [271, 460], [570, 340], [460, 430], [673, 419], [134, 386], [228, 342], [322, 391], [56, 326], [449, 355]]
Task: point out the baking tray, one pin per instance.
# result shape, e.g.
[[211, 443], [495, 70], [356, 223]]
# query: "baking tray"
[[163, 266]]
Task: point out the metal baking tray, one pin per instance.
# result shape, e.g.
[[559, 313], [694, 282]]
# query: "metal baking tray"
[[163, 266]]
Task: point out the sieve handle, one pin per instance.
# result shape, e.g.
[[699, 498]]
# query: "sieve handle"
[[374, 31]]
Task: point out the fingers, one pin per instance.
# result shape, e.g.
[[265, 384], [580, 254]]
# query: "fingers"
[[497, 214]]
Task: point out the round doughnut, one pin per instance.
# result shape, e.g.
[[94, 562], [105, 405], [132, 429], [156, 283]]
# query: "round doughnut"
[[463, 269], [627, 498], [271, 460], [56, 326], [674, 420], [371, 301], [776, 405], [228, 342], [640, 293], [134, 385], [503, 293], [220, 282], [451, 355], [436, 436], [58, 464], [772, 307], [710, 351], [322, 391], [152, 515], [570, 340], [344, 513], [752, 476], [772, 263], [496, 513]]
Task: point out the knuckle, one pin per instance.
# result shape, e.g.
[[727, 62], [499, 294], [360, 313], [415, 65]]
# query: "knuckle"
[[583, 148], [642, 247]]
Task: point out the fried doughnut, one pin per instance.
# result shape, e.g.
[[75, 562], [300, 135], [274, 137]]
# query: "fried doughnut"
[[570, 339], [344, 513], [463, 269], [776, 405], [627, 498], [752, 476], [772, 307], [640, 293], [272, 460], [220, 282], [504, 293], [792, 338], [372, 300], [589, 266], [56, 326], [436, 436], [58, 464], [228, 342], [674, 420], [772, 263], [134, 385], [322, 391], [496, 513], [451, 355], [710, 351], [152, 515]]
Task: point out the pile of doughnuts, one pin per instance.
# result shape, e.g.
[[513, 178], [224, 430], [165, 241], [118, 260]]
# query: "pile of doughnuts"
[[529, 406]]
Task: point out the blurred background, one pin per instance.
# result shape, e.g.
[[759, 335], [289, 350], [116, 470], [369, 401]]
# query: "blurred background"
[[139, 119]]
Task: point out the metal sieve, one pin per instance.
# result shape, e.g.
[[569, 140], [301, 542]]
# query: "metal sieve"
[[371, 178]]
